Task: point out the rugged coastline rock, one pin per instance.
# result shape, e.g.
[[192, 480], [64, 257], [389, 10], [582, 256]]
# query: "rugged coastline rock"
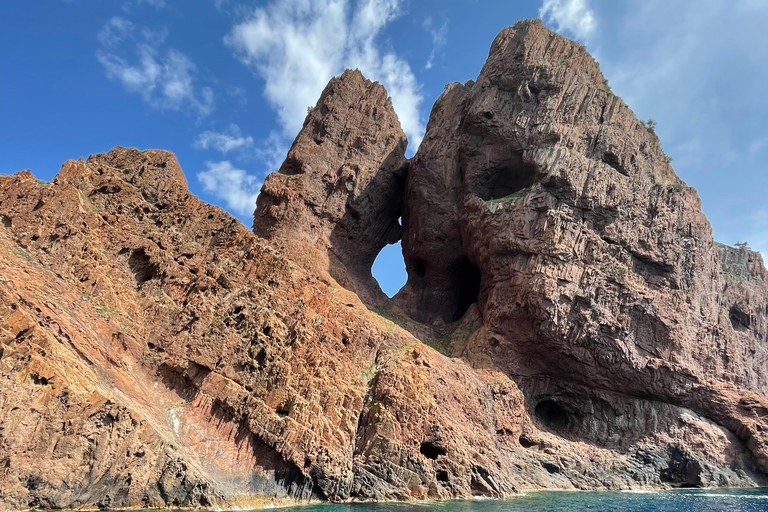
[[568, 320]]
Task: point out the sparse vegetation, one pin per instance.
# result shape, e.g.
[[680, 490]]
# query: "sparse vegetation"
[[93, 207], [677, 187], [106, 311], [650, 125]]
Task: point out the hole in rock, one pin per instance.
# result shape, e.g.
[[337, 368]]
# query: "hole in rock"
[[510, 176], [551, 468], [261, 357], [389, 269], [37, 379], [441, 475], [613, 160], [551, 414], [431, 450], [526, 443], [739, 319], [141, 266], [468, 283]]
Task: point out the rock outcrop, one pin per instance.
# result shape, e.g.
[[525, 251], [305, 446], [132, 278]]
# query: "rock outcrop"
[[336, 200], [568, 320]]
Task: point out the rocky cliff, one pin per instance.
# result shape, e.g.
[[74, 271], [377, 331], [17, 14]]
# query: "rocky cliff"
[[568, 320]]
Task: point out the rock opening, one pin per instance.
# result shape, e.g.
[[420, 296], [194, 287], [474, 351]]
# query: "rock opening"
[[551, 414], [739, 319], [504, 179], [431, 450], [143, 269], [468, 279], [389, 269]]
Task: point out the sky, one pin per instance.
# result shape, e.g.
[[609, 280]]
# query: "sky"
[[225, 84]]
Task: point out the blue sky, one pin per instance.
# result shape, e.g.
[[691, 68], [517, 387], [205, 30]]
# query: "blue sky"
[[225, 84]]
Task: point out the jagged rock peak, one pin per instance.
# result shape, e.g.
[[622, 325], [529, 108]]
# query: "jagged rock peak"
[[339, 190]]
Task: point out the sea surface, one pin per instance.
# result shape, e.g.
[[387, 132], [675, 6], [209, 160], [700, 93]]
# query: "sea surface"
[[694, 500]]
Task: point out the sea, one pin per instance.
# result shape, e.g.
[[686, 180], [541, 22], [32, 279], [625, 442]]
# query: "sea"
[[683, 500]]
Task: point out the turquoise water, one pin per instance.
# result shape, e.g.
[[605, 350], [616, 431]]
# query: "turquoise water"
[[694, 500]]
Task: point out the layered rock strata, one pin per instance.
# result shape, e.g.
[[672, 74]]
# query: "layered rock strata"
[[568, 320]]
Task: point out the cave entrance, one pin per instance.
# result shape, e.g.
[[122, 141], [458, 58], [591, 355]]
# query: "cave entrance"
[[504, 179], [551, 414], [389, 269], [467, 278]]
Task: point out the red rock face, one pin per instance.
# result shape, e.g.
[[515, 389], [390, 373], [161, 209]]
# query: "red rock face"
[[568, 321]]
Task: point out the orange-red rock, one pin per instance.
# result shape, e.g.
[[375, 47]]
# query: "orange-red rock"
[[568, 321]]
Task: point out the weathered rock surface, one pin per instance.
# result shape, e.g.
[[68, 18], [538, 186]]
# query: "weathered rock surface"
[[568, 321]]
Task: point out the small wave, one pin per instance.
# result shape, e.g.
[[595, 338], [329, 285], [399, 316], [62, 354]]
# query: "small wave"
[[640, 491]]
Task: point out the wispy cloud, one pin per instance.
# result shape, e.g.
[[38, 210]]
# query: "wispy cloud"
[[130, 4], [439, 38], [573, 18], [165, 79], [235, 187], [157, 4], [115, 31], [296, 47], [229, 140]]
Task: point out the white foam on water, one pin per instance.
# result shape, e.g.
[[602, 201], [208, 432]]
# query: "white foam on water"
[[740, 496]]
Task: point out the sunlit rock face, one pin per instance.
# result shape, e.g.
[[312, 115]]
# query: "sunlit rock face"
[[568, 321]]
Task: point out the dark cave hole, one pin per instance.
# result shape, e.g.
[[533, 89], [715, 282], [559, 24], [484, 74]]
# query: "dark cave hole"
[[551, 414], [141, 266], [441, 475], [504, 179], [526, 443], [418, 268], [551, 468], [39, 380], [739, 319], [261, 357], [431, 450], [468, 283], [613, 161]]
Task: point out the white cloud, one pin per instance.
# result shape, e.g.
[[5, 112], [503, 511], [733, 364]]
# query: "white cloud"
[[229, 140], [439, 38], [164, 79], [235, 187], [115, 31], [574, 17], [298, 46], [157, 4]]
